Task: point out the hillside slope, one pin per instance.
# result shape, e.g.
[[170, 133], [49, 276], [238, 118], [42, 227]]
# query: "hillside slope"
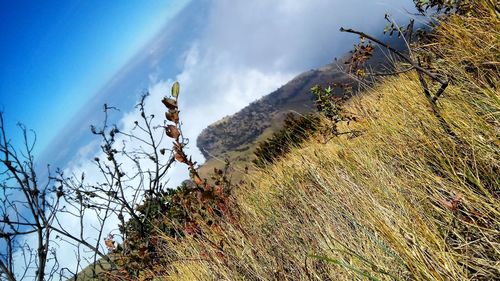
[[239, 132], [245, 126], [405, 200]]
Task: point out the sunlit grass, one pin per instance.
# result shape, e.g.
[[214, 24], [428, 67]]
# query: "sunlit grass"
[[403, 201]]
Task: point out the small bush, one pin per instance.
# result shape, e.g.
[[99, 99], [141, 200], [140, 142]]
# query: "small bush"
[[295, 130]]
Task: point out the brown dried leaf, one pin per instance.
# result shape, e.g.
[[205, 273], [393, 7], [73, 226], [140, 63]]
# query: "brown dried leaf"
[[180, 158], [191, 228], [173, 116], [170, 103], [110, 244], [154, 241], [172, 131], [142, 251], [197, 180], [453, 204]]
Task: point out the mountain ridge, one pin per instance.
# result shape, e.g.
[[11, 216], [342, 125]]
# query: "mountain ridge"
[[227, 134], [245, 127]]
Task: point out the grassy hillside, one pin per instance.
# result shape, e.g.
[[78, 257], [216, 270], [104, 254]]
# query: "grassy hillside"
[[236, 137], [403, 201], [243, 128]]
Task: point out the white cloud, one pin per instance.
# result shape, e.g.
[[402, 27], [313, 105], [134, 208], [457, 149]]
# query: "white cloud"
[[289, 34]]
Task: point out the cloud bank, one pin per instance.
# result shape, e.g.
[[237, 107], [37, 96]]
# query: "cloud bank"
[[250, 48]]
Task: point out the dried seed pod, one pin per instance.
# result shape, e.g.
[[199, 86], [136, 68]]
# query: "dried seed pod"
[[173, 116], [170, 103], [180, 158], [172, 131]]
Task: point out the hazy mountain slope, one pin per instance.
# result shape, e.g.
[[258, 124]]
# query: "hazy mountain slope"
[[234, 136], [248, 124]]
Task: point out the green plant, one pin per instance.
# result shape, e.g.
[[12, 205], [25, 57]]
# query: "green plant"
[[446, 6], [330, 102]]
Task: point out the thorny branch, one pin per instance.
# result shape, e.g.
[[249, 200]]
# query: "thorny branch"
[[414, 65]]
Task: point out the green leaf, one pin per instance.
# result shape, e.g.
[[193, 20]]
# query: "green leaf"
[[175, 89]]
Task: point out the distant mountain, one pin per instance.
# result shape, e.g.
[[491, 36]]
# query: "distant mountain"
[[237, 133], [247, 125]]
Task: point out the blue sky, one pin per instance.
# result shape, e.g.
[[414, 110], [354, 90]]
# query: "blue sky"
[[55, 55], [60, 61]]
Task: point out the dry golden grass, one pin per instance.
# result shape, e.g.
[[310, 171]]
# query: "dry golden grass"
[[403, 201]]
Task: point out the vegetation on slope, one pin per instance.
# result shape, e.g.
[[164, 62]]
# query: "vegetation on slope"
[[250, 125], [406, 200], [236, 138]]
